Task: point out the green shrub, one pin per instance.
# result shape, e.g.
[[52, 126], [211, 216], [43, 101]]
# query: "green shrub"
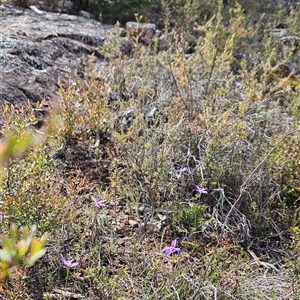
[[192, 217], [221, 123]]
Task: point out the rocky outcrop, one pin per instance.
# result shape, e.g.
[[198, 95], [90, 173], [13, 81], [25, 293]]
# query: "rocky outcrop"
[[38, 50]]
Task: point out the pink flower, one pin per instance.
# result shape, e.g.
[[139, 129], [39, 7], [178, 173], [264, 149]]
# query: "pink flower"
[[98, 202], [201, 190], [68, 262], [168, 250], [3, 215], [181, 170]]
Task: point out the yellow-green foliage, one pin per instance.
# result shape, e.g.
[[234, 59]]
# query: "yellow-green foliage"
[[225, 127], [31, 190], [84, 108]]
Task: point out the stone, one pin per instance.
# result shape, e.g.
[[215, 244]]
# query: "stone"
[[128, 116], [86, 14], [126, 47], [35, 9], [38, 52]]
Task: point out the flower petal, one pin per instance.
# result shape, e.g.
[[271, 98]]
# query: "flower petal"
[[173, 244], [165, 249]]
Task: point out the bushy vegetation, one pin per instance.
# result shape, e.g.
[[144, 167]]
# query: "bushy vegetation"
[[157, 146]]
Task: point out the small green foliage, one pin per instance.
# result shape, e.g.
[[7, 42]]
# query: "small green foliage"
[[293, 263], [191, 217]]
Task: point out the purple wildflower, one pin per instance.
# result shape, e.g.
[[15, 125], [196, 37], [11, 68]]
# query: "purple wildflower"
[[201, 190], [97, 202], [222, 98], [181, 170], [3, 215], [68, 262], [237, 84], [168, 250]]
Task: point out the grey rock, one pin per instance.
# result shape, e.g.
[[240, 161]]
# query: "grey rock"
[[123, 122], [86, 14], [127, 116], [39, 51], [126, 47]]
